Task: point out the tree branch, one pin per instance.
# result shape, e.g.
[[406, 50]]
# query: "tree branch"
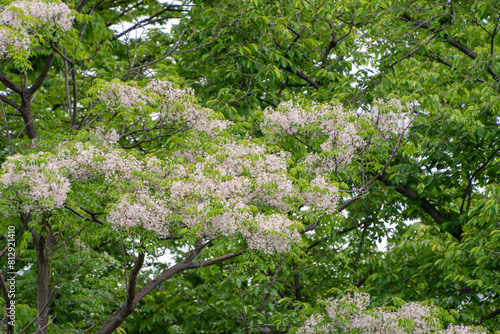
[[437, 216], [10, 84], [41, 78], [303, 76], [450, 40], [9, 102], [132, 282], [490, 316]]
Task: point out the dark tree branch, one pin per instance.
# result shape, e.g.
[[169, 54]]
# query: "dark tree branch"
[[144, 22], [412, 194], [490, 316], [303, 76], [171, 53], [132, 282], [450, 40], [363, 236], [41, 78], [9, 102], [92, 214], [10, 84], [317, 242], [309, 227], [437, 216], [81, 5], [69, 60]]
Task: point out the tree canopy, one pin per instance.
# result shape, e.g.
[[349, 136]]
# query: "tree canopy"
[[250, 166]]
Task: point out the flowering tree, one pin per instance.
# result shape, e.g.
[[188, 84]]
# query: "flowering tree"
[[123, 169], [25, 25], [219, 187]]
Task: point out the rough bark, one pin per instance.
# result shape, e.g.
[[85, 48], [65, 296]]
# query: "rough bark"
[[43, 291]]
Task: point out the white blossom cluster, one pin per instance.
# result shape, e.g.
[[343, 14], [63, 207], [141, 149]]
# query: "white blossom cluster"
[[215, 197], [390, 117], [217, 186], [239, 171], [323, 196], [23, 18], [318, 163], [461, 329], [116, 94], [39, 184], [227, 183], [272, 233], [84, 161], [16, 40], [340, 135], [350, 314], [141, 209], [107, 138], [267, 233], [162, 100], [42, 181]]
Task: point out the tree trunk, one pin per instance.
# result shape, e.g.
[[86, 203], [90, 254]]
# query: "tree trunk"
[[25, 111], [43, 291], [296, 279]]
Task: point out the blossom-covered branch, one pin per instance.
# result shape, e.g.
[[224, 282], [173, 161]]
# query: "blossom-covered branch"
[[351, 314]]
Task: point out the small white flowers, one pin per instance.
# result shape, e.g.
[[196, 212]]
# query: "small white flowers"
[[328, 123], [350, 314], [37, 180], [162, 102], [227, 183], [335, 130], [323, 195], [143, 210], [54, 14], [23, 18], [214, 184], [390, 117]]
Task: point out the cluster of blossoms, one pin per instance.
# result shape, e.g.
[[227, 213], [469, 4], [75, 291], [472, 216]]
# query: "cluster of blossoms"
[[318, 163], [37, 181], [350, 314], [17, 41], [329, 123], [117, 94], [460, 329], [140, 209], [162, 103], [227, 183], [42, 181], [215, 197], [21, 19], [217, 186], [267, 233], [331, 134], [390, 117], [323, 196]]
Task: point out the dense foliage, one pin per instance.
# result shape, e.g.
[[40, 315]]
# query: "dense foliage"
[[240, 165]]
